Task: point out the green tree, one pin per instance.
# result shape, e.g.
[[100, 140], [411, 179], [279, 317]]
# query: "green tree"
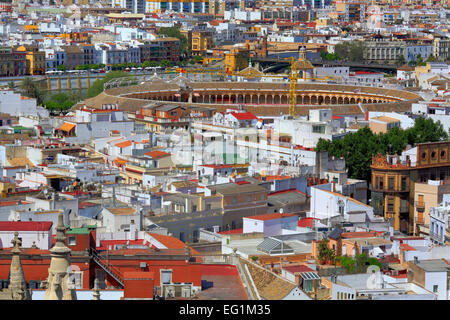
[[353, 50], [348, 263], [164, 63], [361, 262], [326, 255], [419, 60], [97, 86], [400, 60], [61, 101], [431, 58], [357, 148], [11, 84], [30, 89], [62, 67]]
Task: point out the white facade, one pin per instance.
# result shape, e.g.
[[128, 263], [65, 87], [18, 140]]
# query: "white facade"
[[307, 132], [327, 204], [436, 282], [119, 222], [42, 239], [90, 125], [439, 223], [271, 227], [14, 104]]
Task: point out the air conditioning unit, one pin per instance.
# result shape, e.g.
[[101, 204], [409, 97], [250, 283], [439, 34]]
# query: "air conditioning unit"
[[169, 291], [186, 292]]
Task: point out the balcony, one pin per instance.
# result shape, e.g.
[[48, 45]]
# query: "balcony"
[[404, 208], [436, 238], [420, 206]]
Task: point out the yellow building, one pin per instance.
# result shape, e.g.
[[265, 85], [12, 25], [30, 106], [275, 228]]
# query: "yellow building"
[[322, 22], [6, 187], [201, 41], [395, 179], [236, 59], [35, 60], [426, 196], [31, 28]]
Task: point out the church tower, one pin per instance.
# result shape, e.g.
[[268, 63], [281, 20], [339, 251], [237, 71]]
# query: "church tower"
[[58, 286], [18, 284]]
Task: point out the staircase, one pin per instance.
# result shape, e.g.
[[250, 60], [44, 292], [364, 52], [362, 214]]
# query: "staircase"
[[113, 272]]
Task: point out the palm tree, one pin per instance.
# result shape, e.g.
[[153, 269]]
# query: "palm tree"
[[31, 90], [11, 84]]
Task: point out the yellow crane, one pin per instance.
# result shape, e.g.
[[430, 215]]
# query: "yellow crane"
[[292, 92]]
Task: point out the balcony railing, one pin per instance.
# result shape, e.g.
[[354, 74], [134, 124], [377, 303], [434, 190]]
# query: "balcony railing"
[[435, 237], [420, 205]]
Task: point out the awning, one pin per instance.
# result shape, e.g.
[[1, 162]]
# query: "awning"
[[120, 161], [67, 126], [376, 251], [309, 275]]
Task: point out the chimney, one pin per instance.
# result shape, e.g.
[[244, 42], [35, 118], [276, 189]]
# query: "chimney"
[[132, 233], [114, 197]]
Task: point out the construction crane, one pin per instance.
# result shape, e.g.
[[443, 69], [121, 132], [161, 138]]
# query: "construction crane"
[[292, 92]]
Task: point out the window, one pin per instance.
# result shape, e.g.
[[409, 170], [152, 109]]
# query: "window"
[[391, 182], [390, 205], [433, 155], [318, 129], [194, 208], [166, 276], [403, 183], [381, 183], [435, 288], [72, 241], [443, 154]]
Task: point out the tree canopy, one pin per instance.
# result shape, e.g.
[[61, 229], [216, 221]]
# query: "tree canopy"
[[31, 89], [352, 50], [61, 101], [97, 86], [357, 148], [325, 55]]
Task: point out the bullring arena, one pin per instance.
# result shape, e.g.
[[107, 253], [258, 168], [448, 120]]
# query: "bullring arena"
[[261, 98]]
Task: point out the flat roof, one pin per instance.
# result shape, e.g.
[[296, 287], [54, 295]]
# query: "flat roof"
[[435, 265]]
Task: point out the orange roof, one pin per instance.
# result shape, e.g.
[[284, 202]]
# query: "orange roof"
[[362, 234], [123, 144], [171, 242], [67, 126], [406, 247], [272, 178], [120, 161], [157, 154]]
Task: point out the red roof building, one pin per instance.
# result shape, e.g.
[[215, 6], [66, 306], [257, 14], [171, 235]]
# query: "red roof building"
[[242, 116], [25, 225]]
